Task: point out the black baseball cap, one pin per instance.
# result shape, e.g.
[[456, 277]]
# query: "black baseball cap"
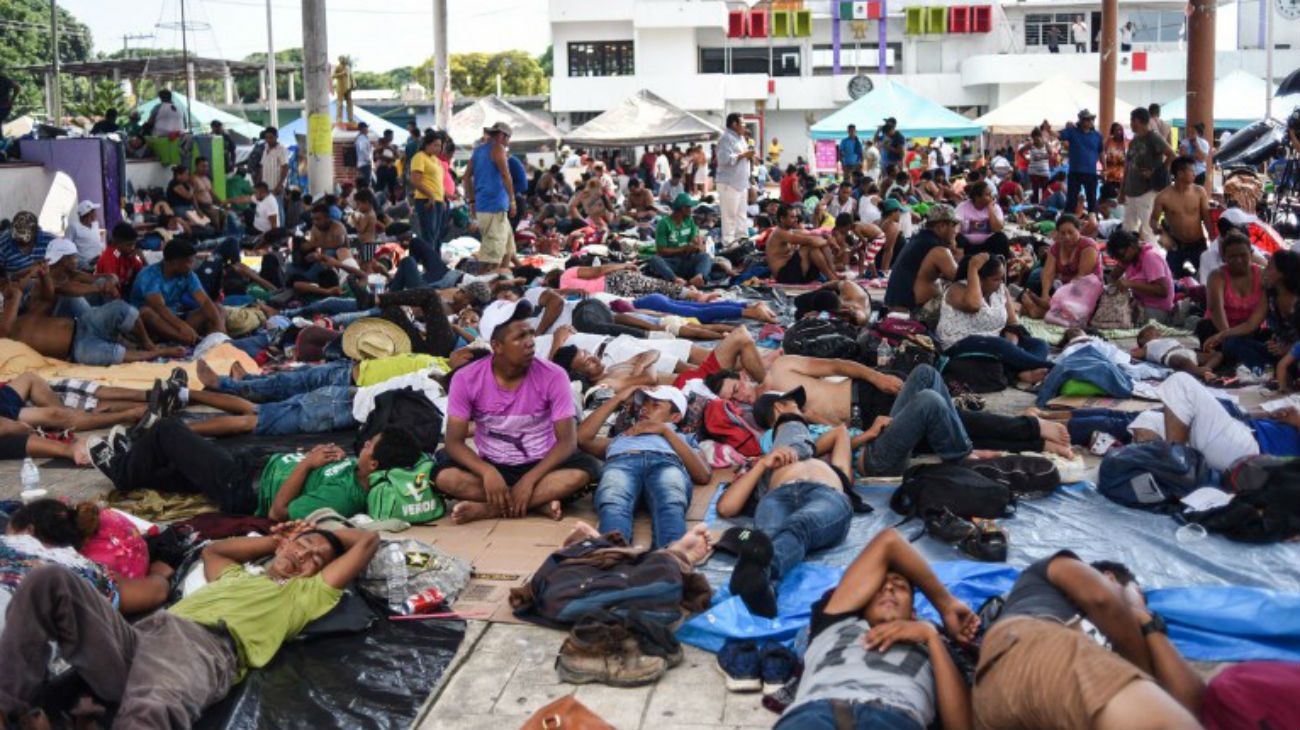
[[764, 404]]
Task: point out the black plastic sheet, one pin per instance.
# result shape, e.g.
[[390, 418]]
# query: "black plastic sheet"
[[377, 679]]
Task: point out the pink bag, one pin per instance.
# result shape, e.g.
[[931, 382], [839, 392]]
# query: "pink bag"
[[1073, 303], [118, 546]]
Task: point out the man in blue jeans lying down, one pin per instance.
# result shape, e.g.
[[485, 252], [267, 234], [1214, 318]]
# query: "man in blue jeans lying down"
[[649, 460]]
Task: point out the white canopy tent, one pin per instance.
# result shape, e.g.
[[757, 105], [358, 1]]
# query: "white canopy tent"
[[1057, 100], [1238, 101], [527, 130], [643, 119]]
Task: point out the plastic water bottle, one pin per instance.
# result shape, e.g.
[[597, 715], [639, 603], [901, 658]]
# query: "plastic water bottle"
[[395, 573], [884, 355], [31, 476]]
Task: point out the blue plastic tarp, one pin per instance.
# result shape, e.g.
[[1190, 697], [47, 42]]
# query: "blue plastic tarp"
[[1223, 601]]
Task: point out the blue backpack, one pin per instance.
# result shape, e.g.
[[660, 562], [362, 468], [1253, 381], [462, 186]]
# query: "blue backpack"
[[1153, 476]]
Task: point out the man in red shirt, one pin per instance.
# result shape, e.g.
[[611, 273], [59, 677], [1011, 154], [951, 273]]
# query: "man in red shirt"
[[120, 258]]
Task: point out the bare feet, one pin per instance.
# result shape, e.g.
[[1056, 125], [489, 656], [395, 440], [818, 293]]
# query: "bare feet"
[[466, 512], [985, 454], [206, 374], [697, 281], [552, 509], [1033, 411], [759, 311], [1060, 449], [81, 452], [581, 531], [1032, 376], [696, 544], [1052, 431], [237, 371]]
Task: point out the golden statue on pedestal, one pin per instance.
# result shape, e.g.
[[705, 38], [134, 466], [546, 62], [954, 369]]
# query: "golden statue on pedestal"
[[343, 89]]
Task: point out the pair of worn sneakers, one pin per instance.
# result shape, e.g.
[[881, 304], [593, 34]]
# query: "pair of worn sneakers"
[[606, 648], [163, 400], [748, 666]]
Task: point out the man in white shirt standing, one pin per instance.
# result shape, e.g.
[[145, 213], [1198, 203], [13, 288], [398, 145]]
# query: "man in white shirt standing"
[[275, 166], [266, 214], [734, 159], [1079, 34], [165, 117], [84, 231], [365, 154]]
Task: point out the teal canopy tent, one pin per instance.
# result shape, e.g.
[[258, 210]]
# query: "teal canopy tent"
[[917, 116], [1238, 101], [202, 115]]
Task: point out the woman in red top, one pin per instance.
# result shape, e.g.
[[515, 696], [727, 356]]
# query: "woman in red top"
[[791, 191], [1069, 258]]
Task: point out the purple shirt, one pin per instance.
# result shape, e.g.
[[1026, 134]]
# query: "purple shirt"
[[1150, 266], [511, 426]]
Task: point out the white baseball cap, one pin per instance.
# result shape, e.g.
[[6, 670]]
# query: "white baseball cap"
[[664, 392], [502, 312], [85, 207], [58, 249]]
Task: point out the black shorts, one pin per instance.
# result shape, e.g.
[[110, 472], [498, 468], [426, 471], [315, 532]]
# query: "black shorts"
[[793, 272], [512, 473], [11, 404], [868, 403]]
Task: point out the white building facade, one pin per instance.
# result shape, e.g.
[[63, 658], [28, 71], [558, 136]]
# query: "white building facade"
[[606, 50]]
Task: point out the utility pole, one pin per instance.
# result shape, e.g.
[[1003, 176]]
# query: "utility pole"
[[270, 70], [128, 37], [316, 79], [189, 70], [1268, 60], [1200, 71], [56, 92], [1109, 64], [441, 67]]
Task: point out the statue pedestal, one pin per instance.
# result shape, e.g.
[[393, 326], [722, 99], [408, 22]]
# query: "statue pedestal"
[[349, 126]]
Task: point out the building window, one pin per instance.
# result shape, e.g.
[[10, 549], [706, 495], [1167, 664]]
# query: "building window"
[[601, 58], [1154, 26], [854, 58], [1047, 29], [577, 119], [778, 61]]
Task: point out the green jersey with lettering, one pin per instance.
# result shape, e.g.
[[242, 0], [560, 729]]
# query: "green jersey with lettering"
[[405, 494], [333, 485]]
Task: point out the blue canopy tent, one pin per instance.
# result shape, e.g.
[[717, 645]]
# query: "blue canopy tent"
[[378, 125], [917, 116], [202, 115], [1238, 102]]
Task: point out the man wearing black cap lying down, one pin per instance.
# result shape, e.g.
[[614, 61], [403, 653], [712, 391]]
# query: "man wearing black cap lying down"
[[171, 298]]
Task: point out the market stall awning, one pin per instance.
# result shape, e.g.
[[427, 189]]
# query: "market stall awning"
[[526, 129], [158, 67], [1238, 101], [202, 115], [642, 119], [917, 116], [1057, 100]]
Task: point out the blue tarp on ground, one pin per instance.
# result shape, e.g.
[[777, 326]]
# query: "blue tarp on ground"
[[1223, 601], [917, 116]]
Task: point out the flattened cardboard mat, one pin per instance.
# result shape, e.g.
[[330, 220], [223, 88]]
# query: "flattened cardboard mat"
[[505, 553]]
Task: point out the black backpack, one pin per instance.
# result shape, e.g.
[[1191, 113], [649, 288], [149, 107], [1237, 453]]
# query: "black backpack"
[[1027, 477], [407, 409], [1153, 475], [958, 488], [978, 374], [825, 338], [1269, 514]]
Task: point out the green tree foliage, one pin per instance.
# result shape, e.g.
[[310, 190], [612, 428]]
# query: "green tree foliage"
[[25, 40], [94, 99], [547, 62], [246, 87], [475, 74]]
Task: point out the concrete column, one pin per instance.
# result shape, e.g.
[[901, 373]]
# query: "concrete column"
[[1200, 70], [1109, 64], [316, 77], [228, 87], [441, 65], [293, 94], [261, 86], [270, 70]]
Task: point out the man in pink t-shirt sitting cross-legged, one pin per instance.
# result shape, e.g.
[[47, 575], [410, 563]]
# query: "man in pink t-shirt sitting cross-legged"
[[525, 435]]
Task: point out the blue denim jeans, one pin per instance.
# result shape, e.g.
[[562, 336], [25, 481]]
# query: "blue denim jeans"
[[923, 410], [94, 340], [1029, 354], [328, 305], [661, 479], [287, 384], [427, 245], [706, 312], [671, 267], [317, 411], [347, 318], [801, 517], [252, 344], [1084, 421], [820, 715]]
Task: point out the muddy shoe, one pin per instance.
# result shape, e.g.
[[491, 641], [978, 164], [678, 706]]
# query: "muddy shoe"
[[619, 669]]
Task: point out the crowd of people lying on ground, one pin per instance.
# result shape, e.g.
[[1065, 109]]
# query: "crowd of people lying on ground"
[[577, 337]]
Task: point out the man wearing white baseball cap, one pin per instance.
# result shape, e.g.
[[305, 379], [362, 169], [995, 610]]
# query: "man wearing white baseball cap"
[[84, 230], [649, 459]]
